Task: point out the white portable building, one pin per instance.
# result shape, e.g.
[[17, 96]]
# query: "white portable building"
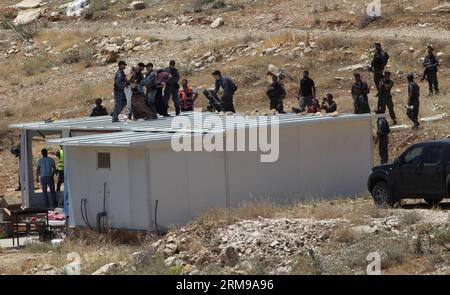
[[145, 182]]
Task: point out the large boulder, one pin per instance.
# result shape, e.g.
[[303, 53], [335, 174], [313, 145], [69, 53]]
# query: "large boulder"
[[137, 5], [27, 16], [27, 4], [217, 23]]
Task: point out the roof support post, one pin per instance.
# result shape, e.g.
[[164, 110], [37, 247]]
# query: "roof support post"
[[26, 167]]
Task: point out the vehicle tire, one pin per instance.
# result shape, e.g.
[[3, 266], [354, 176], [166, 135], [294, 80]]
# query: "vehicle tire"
[[382, 195], [433, 202]]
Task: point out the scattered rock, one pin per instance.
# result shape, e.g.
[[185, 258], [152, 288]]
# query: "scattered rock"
[[362, 66], [45, 270], [110, 268], [445, 7], [27, 16], [137, 5], [217, 23]]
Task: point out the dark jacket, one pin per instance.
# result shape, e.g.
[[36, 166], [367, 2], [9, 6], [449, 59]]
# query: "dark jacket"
[[120, 81], [276, 91], [382, 127], [175, 76], [380, 60], [431, 63], [228, 86], [150, 81], [360, 88], [413, 93]]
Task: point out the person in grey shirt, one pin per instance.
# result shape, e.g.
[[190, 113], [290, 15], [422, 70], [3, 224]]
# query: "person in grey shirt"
[[229, 88]]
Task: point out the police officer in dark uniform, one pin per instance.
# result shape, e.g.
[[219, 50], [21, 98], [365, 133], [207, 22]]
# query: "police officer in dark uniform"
[[413, 101], [172, 87], [360, 91], [385, 96], [379, 62], [120, 83], [382, 137], [431, 65], [276, 94]]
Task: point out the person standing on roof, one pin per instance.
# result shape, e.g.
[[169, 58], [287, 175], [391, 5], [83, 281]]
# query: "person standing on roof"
[[44, 175], [276, 94], [172, 87], [379, 62], [229, 88], [188, 95], [120, 83], [412, 109], [307, 92]]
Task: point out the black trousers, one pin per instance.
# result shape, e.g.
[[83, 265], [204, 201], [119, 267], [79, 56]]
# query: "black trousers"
[[377, 76], [433, 83], [227, 104], [413, 114], [386, 101], [277, 104], [383, 143], [60, 180]]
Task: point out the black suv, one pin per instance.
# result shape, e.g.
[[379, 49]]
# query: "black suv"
[[422, 171]]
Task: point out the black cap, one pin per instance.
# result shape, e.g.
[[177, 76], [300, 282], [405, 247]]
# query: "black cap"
[[410, 76], [141, 64], [377, 44], [122, 63], [216, 72], [98, 101]]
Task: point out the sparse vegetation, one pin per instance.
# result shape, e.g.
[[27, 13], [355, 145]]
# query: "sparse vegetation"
[[36, 65]]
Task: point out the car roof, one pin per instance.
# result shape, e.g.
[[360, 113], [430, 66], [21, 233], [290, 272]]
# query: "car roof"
[[439, 141]]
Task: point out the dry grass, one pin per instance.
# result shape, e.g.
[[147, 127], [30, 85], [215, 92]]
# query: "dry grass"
[[63, 40]]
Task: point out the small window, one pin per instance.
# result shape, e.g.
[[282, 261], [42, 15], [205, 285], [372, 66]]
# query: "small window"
[[413, 156], [432, 154], [103, 160]]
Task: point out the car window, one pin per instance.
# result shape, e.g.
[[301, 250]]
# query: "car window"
[[432, 154], [413, 155]]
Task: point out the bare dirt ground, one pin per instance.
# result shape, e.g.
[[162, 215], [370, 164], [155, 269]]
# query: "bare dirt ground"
[[321, 36]]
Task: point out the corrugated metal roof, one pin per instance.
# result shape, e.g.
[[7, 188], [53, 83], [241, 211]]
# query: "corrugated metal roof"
[[165, 123], [116, 139], [145, 132]]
